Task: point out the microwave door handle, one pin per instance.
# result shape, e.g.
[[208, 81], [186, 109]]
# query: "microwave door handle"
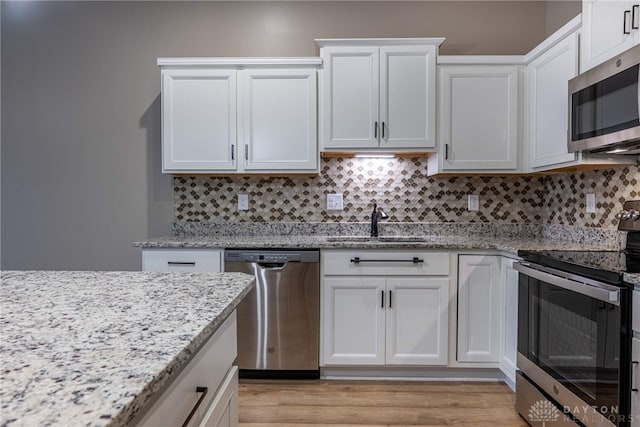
[[603, 292]]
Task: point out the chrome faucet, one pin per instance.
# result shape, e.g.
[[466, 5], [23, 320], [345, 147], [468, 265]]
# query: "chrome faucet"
[[376, 215]]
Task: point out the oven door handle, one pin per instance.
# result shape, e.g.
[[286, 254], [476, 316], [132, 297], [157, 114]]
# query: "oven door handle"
[[600, 291]]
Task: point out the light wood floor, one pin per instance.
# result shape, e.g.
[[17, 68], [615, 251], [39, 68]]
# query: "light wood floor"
[[376, 403]]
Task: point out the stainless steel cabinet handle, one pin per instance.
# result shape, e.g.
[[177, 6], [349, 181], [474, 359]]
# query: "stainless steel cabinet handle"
[[233, 154], [446, 151], [204, 391], [183, 263], [383, 126], [624, 22], [375, 130], [382, 299], [414, 260], [390, 298], [634, 10], [246, 151], [634, 375]]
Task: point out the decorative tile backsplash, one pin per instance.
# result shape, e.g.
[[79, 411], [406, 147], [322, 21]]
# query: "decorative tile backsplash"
[[407, 194], [564, 196], [399, 185]]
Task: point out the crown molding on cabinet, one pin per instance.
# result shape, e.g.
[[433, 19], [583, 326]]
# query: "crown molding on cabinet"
[[481, 60], [437, 41], [554, 38], [310, 61]]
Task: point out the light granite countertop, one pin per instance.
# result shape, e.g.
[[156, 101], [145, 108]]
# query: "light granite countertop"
[[506, 244], [92, 348], [509, 245]]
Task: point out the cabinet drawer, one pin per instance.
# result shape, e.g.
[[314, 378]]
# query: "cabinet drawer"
[[388, 263], [635, 312], [191, 260], [208, 368]]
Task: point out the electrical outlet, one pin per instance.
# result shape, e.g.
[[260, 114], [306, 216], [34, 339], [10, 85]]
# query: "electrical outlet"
[[590, 200], [334, 202], [243, 202], [473, 202]]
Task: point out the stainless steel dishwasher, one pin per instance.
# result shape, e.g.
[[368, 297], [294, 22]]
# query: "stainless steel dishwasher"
[[278, 321]]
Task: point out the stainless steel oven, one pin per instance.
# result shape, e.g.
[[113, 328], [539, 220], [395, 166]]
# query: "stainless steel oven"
[[573, 337], [574, 332]]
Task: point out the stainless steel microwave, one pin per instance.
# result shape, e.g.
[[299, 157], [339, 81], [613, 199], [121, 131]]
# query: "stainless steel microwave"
[[604, 107]]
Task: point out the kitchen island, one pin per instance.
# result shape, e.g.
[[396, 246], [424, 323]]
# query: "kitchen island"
[[95, 348]]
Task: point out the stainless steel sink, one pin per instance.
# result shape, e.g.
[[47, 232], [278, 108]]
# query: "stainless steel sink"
[[389, 239]]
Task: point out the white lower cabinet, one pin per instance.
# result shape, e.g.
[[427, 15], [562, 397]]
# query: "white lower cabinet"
[[398, 318], [210, 369], [478, 338], [186, 260], [223, 411], [509, 319]]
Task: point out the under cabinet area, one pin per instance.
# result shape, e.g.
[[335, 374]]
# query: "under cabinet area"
[[239, 115], [205, 391], [378, 94], [385, 307]]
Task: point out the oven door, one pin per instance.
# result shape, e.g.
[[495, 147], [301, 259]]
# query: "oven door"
[[569, 336]]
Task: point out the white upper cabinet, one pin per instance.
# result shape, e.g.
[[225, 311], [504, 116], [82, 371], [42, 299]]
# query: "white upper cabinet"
[[609, 28], [199, 120], [239, 115], [278, 116], [547, 104], [478, 118], [549, 68], [378, 94]]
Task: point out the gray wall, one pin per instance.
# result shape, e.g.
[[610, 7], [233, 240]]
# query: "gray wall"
[[81, 112]]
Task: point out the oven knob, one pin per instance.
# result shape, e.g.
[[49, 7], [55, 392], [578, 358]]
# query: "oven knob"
[[555, 390], [634, 214]]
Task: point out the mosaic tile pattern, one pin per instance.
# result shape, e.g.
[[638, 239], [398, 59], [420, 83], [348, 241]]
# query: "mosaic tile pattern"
[[402, 188], [399, 185], [564, 196]]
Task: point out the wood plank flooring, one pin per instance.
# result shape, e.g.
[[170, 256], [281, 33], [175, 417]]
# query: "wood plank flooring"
[[376, 403]]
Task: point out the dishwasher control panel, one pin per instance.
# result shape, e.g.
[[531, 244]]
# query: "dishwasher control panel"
[[234, 255]]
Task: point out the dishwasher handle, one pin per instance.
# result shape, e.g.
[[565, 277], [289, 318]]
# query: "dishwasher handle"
[[272, 265]]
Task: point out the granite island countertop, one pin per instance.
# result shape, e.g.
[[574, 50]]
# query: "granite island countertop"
[[92, 348]]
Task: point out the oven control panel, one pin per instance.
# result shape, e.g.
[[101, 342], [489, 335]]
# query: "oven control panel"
[[630, 216]]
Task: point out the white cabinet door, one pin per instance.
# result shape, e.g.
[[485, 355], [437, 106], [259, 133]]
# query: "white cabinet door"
[[353, 321], [479, 117], [199, 120], [407, 96], [278, 119], [223, 411], [350, 97], [607, 30], [635, 382], [547, 88], [509, 321], [417, 321], [478, 308]]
